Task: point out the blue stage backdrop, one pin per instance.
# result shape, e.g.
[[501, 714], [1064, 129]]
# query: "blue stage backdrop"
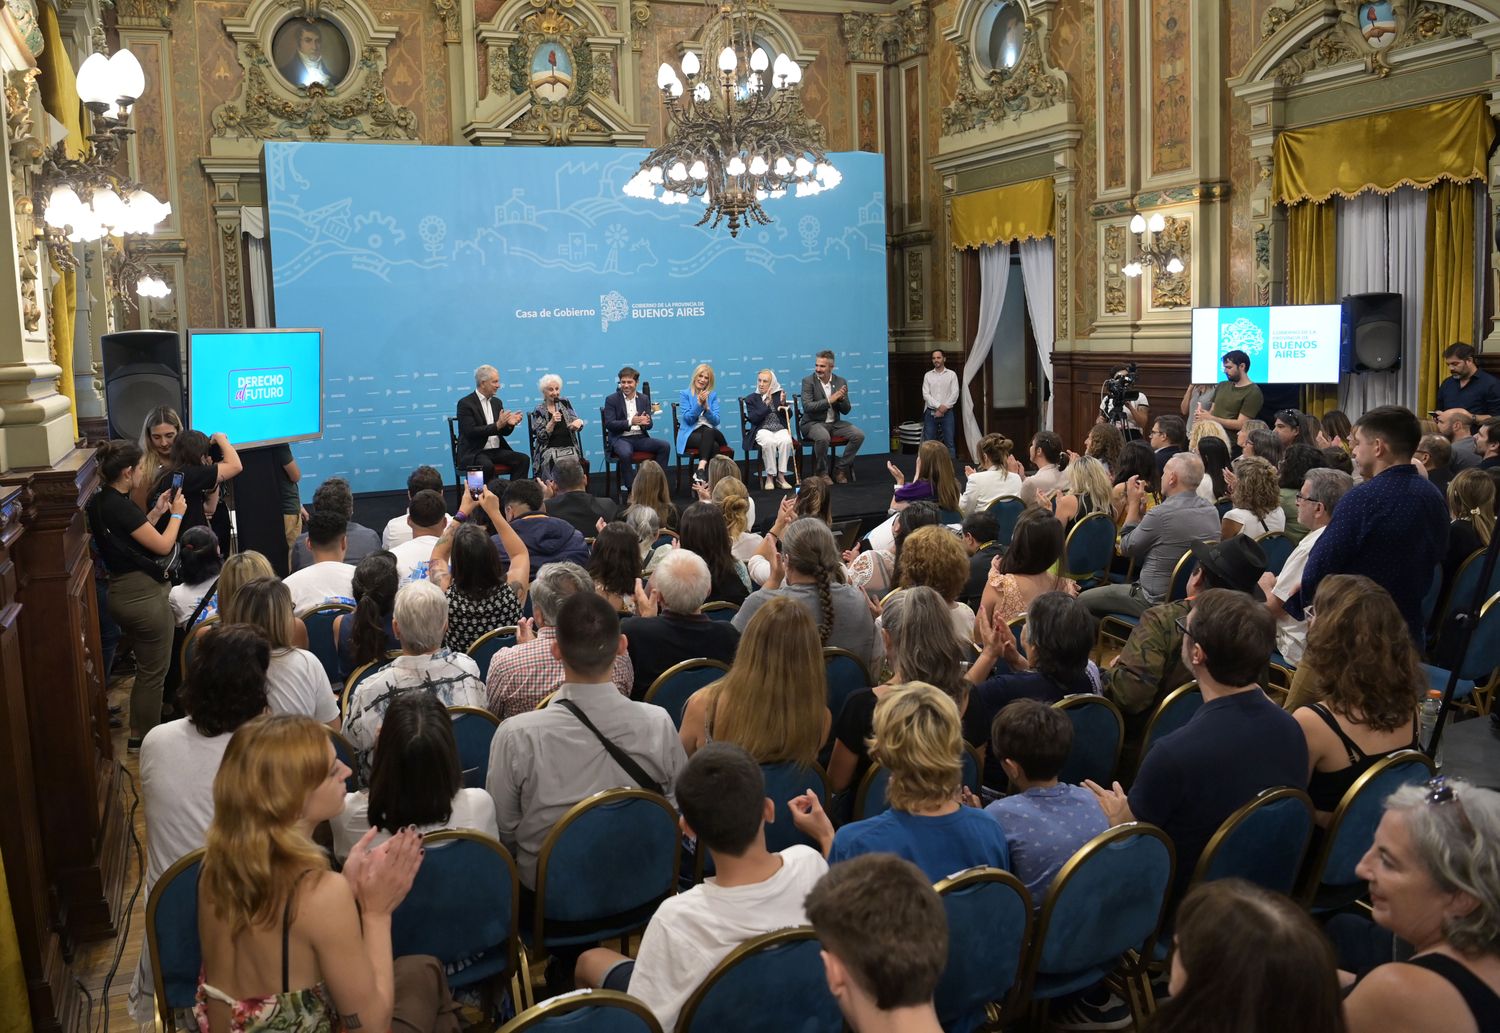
[[421, 263]]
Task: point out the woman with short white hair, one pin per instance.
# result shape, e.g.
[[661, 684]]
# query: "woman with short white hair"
[[554, 430]]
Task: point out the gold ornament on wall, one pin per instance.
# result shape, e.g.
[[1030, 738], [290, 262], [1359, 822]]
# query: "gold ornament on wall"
[[1174, 290], [264, 114], [1368, 32], [1023, 82], [1114, 279]]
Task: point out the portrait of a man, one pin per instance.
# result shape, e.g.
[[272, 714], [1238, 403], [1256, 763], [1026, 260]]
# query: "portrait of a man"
[[311, 51]]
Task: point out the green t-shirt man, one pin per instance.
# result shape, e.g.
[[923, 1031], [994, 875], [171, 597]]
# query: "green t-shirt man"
[[1235, 399]]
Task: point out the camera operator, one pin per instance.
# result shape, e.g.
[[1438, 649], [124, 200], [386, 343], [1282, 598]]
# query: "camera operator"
[[1121, 405], [203, 464]]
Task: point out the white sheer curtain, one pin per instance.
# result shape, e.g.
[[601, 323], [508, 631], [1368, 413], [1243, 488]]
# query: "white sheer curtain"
[[1037, 274], [253, 226], [1382, 246], [994, 278]]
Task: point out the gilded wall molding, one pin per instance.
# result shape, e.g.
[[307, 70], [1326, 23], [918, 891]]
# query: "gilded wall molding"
[[1174, 290], [144, 13], [1349, 40], [888, 38], [1115, 299], [229, 251], [986, 97], [448, 14]]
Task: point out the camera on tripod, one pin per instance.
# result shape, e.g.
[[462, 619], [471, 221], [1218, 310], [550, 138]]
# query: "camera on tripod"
[[1117, 390]]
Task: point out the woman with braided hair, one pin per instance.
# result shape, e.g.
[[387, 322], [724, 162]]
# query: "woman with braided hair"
[[806, 567]]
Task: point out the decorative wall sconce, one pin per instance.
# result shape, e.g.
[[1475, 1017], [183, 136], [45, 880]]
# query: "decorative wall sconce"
[[1153, 254]]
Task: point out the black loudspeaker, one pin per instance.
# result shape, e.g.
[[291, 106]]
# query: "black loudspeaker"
[[1372, 333], [142, 370]]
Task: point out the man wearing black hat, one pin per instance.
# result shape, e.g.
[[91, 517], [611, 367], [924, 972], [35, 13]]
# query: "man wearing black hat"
[[1151, 665]]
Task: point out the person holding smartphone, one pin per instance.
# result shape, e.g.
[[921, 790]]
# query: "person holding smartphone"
[[194, 473]]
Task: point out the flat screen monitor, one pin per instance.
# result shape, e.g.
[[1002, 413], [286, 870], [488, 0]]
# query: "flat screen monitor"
[[260, 387], [1287, 344]]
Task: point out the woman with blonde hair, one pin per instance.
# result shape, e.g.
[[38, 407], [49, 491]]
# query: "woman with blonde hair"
[[239, 569], [267, 900], [933, 557], [993, 480], [934, 479], [698, 409], [1471, 504], [722, 468], [1256, 500], [734, 501], [917, 738], [158, 431], [1206, 429], [770, 422], [650, 490], [296, 682], [1088, 491], [1371, 681], [772, 703]]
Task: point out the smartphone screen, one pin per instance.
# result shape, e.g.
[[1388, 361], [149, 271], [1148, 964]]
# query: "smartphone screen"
[[177, 481], [475, 481]]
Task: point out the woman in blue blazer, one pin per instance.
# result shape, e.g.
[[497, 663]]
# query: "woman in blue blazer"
[[699, 418]]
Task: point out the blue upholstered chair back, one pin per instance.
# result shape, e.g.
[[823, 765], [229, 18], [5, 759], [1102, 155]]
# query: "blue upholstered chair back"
[[677, 683], [784, 781], [1278, 549], [1006, 512], [719, 611], [463, 904], [846, 674], [483, 649], [1352, 828], [1172, 713], [989, 925], [1098, 733], [172, 936], [320, 642], [586, 1011], [473, 729], [1264, 842], [773, 982], [1090, 548]]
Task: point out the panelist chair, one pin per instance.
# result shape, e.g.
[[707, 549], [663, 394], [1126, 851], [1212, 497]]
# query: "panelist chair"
[[801, 446], [614, 466], [455, 449], [690, 454]]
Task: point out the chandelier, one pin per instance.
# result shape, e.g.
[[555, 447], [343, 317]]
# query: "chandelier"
[[734, 142], [1152, 253]]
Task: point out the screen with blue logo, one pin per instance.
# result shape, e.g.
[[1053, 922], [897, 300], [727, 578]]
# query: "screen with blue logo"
[[257, 386], [1286, 344], [423, 263]]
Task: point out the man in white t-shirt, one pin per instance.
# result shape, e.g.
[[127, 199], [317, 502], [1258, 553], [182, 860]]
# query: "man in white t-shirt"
[[427, 516], [397, 530], [328, 579], [722, 796], [1320, 493], [939, 399]]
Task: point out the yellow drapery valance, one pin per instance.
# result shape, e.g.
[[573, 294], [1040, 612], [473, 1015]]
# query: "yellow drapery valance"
[[1022, 211], [1410, 147]]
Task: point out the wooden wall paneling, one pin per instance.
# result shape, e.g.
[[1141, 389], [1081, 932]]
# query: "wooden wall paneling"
[[1077, 377]]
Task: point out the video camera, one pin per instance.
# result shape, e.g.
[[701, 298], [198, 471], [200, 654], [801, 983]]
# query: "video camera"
[[1119, 389]]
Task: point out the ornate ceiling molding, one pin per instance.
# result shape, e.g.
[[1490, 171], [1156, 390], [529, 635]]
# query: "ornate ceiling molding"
[[991, 97], [889, 38]]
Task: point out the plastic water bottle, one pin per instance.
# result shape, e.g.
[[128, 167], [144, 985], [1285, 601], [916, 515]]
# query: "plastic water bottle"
[[1430, 707]]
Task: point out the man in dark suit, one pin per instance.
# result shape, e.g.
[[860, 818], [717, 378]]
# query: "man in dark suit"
[[572, 501], [980, 535], [1168, 437], [307, 67], [483, 425], [627, 423], [825, 403]]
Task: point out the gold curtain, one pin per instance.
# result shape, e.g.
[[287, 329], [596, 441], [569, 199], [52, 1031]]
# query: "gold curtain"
[[1311, 259], [15, 1018], [60, 99], [1416, 147], [1449, 313], [1022, 211]]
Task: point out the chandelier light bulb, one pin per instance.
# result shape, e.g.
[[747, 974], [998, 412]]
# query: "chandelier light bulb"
[[1174, 266], [108, 208], [1138, 224], [736, 166], [700, 93], [63, 207], [778, 193], [126, 76], [783, 166], [678, 172], [698, 170], [656, 175], [802, 168], [727, 60], [665, 76], [779, 69], [93, 81], [152, 287], [758, 166], [793, 72], [1132, 270], [675, 88], [759, 61], [690, 64], [1157, 223], [753, 82]]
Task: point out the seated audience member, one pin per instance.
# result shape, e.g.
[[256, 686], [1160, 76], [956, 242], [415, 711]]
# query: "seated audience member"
[[933, 482], [1264, 444], [808, 561], [1457, 426], [1256, 499], [1487, 443], [615, 565], [1059, 635], [1203, 429], [1338, 459], [722, 468], [773, 701], [265, 885], [933, 558], [885, 943], [1045, 822], [1471, 505], [722, 795], [1026, 570], [415, 780], [993, 480], [225, 686], [1152, 662], [1139, 462], [648, 535], [1203, 772], [1248, 959], [980, 538], [547, 539], [1336, 431], [367, 633], [1104, 443], [1370, 681], [1159, 538], [572, 502], [1300, 459], [1393, 527], [1292, 426], [428, 518], [397, 529], [481, 595], [327, 579], [917, 738], [1436, 457], [199, 569], [669, 628], [1168, 437], [295, 682], [816, 499], [1320, 493], [522, 676], [1242, 436], [734, 502], [873, 571], [702, 530], [421, 620], [1088, 491], [652, 491], [920, 645], [1214, 454], [334, 496], [1045, 453], [545, 761], [1433, 885]]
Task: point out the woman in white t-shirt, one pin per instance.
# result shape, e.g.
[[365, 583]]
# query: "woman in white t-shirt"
[[1256, 501], [415, 780], [993, 480], [200, 573], [296, 682], [225, 686]]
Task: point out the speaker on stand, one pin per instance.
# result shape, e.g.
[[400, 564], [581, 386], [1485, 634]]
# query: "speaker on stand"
[[1372, 333], [142, 370]]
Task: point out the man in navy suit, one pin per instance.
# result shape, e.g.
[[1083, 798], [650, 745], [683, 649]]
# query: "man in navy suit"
[[627, 420]]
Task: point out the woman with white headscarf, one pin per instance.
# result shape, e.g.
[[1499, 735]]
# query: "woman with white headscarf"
[[770, 421]]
